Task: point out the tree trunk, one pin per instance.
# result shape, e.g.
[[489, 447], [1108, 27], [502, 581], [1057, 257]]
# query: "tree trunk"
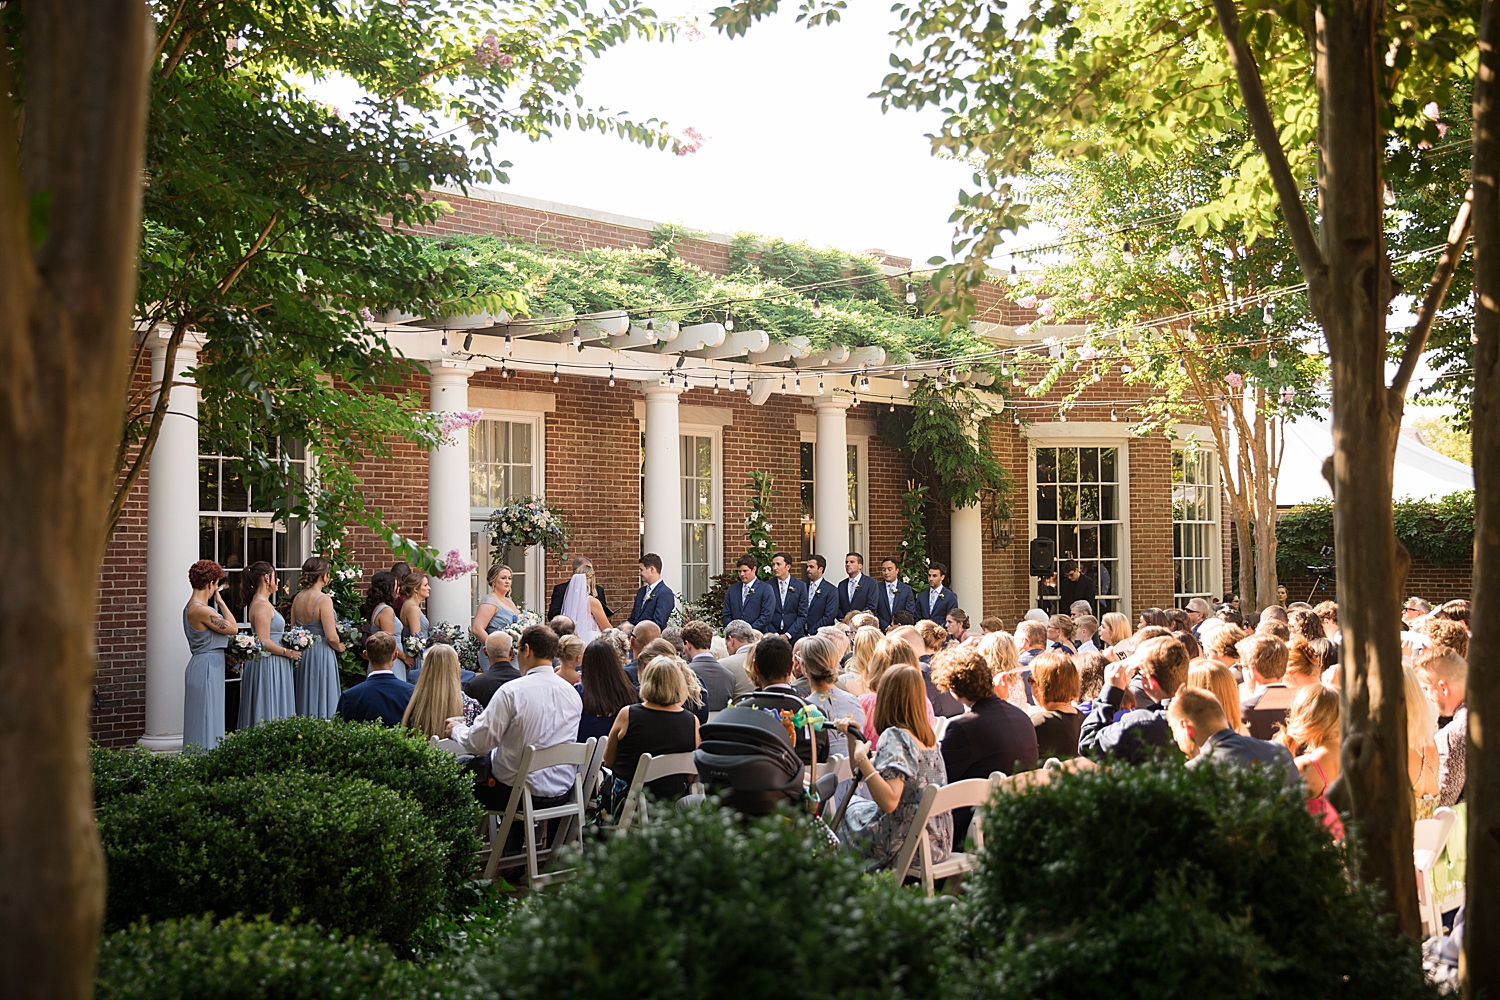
[[69, 225], [1264, 492], [1478, 967], [1247, 557], [1350, 300]]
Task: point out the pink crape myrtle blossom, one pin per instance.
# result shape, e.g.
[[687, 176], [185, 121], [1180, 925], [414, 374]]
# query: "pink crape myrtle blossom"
[[487, 52], [1088, 352], [366, 315], [690, 141], [452, 421], [1234, 380], [1027, 302], [1046, 309], [455, 565], [1288, 395]]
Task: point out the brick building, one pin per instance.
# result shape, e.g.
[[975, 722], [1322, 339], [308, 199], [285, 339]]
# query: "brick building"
[[564, 423]]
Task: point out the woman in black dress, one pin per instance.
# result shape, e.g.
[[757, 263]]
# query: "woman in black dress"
[[659, 725]]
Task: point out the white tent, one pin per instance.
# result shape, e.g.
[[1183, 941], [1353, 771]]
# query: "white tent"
[[1420, 472]]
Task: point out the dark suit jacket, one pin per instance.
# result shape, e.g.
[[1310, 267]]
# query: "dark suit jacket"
[[658, 609], [483, 687], [1227, 746], [554, 606], [885, 608], [822, 606], [864, 595], [381, 696], [1130, 736], [718, 685], [788, 618], [1267, 707], [756, 609], [946, 602], [992, 736]]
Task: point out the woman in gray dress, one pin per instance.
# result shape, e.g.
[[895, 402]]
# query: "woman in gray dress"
[[411, 620], [496, 610], [208, 627], [317, 682], [266, 690], [907, 760]]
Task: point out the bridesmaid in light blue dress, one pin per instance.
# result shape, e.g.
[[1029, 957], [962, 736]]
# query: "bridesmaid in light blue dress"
[[496, 610], [208, 628], [381, 615], [317, 683], [413, 620], [266, 686]]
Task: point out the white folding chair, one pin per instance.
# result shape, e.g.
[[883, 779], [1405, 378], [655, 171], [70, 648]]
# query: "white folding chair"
[[941, 727], [649, 769], [570, 814], [1429, 837], [936, 800], [446, 745]]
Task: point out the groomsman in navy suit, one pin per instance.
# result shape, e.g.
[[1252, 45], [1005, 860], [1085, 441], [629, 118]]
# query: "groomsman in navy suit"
[[858, 592], [655, 600], [822, 597], [750, 599], [939, 600], [894, 595], [788, 600]]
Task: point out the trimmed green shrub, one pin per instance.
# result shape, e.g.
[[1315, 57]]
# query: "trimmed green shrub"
[[698, 905], [340, 852], [1162, 881], [199, 959], [132, 771], [392, 758], [1440, 531]]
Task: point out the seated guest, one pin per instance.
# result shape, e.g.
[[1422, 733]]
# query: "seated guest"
[[1273, 627], [604, 688], [1188, 639], [539, 709], [999, 652], [957, 625], [992, 734], [1031, 642], [1311, 733], [673, 634], [738, 638], [653, 649], [561, 625], [718, 683], [1060, 629], [1113, 627], [820, 663], [1202, 732], [856, 678], [906, 761], [1421, 744], [501, 671], [438, 696], [1444, 676], [1090, 678], [1304, 664], [891, 653], [1055, 679], [382, 696], [1131, 736], [932, 640], [659, 725], [989, 624], [569, 656], [1222, 646], [644, 633], [1263, 658], [1214, 676], [903, 618], [619, 640], [1085, 628], [1443, 632]]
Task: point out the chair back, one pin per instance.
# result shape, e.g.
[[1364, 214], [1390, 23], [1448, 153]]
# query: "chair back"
[[941, 727], [648, 769], [1429, 838], [570, 814]]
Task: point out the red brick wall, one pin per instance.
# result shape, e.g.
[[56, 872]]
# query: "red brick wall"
[[1434, 584]]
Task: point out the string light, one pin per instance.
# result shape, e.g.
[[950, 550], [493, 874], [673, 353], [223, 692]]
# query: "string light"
[[893, 404], [728, 321], [1129, 256], [611, 375], [911, 294], [509, 344], [797, 384], [731, 381], [1114, 415], [681, 360], [905, 382], [577, 338], [937, 382], [504, 372], [554, 373], [783, 385], [444, 347], [820, 385], [864, 382], [716, 385], [650, 324], [468, 341], [1272, 360]]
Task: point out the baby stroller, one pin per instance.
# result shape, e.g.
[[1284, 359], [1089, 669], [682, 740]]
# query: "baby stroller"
[[753, 752]]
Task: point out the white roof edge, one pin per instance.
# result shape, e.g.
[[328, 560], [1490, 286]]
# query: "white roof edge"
[[571, 211]]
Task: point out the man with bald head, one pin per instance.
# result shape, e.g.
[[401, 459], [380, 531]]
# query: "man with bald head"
[[640, 636], [482, 687]]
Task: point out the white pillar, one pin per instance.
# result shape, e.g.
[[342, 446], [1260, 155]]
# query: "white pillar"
[[661, 492], [171, 543], [966, 575], [448, 496], [831, 482]]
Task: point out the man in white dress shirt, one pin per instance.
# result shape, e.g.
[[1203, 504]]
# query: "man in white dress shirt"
[[539, 708]]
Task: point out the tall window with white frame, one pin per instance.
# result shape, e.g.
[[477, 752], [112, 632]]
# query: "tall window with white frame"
[[698, 521], [1078, 504], [502, 466], [1194, 525], [235, 531], [856, 504]]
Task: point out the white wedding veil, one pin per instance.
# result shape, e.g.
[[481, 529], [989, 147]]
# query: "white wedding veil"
[[575, 605]]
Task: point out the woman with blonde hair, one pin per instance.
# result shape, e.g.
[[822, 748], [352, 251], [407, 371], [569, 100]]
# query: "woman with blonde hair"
[[906, 761], [1421, 745], [889, 655], [999, 651], [658, 725], [1219, 680], [1311, 732], [856, 680], [1114, 627], [439, 696], [569, 655]]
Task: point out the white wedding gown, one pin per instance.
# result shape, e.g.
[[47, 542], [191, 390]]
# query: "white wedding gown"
[[575, 605]]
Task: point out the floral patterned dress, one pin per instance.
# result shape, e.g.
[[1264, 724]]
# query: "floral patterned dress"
[[879, 835]]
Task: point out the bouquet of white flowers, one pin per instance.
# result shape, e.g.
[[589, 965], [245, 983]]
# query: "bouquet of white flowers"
[[446, 633], [528, 521], [296, 637], [522, 623], [467, 648], [242, 646], [414, 644], [348, 632]]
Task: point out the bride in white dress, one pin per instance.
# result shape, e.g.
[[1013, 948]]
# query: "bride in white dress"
[[583, 607]]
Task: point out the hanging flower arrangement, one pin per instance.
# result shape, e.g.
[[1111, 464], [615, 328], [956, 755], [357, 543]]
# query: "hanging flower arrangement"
[[528, 521]]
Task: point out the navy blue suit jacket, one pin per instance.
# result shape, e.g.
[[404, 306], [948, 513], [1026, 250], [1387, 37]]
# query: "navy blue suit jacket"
[[757, 609], [864, 596], [822, 606], [380, 696], [658, 609], [946, 602], [885, 608], [789, 618]]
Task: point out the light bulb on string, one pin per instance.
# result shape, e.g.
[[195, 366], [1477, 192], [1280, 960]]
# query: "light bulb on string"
[[893, 404], [1129, 255], [554, 373], [905, 382], [468, 341], [1268, 313], [1063, 416], [577, 338], [503, 372], [1272, 360], [783, 385], [817, 308], [731, 381], [820, 385], [797, 384], [728, 321], [1127, 369], [937, 382], [444, 347], [911, 294], [1114, 415], [864, 382], [611, 374], [1015, 380], [681, 360], [650, 324], [716, 385], [509, 344]]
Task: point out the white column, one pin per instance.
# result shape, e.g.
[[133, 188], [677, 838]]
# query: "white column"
[[661, 499], [831, 481], [171, 543], [448, 496], [966, 575]]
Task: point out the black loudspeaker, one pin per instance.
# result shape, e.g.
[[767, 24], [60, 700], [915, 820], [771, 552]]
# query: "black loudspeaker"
[[1043, 557]]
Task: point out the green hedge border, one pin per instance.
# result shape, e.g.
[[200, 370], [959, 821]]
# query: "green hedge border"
[[1439, 531]]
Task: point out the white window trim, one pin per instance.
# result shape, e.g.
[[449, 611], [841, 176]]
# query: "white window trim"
[[1216, 514], [535, 558], [716, 543], [1086, 435], [308, 530], [861, 443]]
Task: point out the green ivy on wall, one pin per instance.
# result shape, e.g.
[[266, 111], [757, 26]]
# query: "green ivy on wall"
[[1439, 531], [758, 522], [934, 434], [914, 536]]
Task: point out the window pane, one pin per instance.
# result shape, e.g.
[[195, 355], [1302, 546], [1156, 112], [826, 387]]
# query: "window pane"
[[235, 494], [1046, 503], [1107, 472], [1046, 465], [520, 444], [1089, 465], [1067, 465], [706, 457]]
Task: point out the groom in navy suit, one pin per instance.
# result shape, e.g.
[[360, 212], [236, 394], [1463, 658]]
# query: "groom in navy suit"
[[822, 598], [655, 600], [939, 600], [893, 595], [788, 599], [750, 599], [858, 592]]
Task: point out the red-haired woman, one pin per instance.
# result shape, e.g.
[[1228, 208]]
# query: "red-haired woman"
[[208, 623]]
